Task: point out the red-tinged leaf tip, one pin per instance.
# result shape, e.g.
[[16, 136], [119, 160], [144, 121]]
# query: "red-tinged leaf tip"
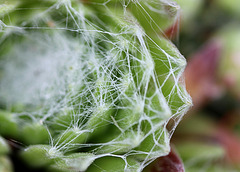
[[172, 31], [169, 163], [201, 72]]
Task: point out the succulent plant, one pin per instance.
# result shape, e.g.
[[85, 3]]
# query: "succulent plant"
[[89, 85]]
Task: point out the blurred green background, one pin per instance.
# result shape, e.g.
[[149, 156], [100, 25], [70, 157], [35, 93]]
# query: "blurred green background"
[[208, 35]]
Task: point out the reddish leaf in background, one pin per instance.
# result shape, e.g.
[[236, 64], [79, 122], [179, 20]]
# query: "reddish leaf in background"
[[169, 163], [201, 72], [231, 120], [231, 144]]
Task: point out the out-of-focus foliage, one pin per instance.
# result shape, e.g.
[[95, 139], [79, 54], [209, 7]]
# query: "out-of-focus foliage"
[[208, 138]]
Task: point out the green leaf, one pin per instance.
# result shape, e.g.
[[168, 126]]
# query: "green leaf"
[[5, 164], [34, 133], [113, 164], [40, 155], [8, 124], [74, 162], [4, 148]]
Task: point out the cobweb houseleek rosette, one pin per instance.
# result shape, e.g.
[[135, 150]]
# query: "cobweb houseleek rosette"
[[85, 83]]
